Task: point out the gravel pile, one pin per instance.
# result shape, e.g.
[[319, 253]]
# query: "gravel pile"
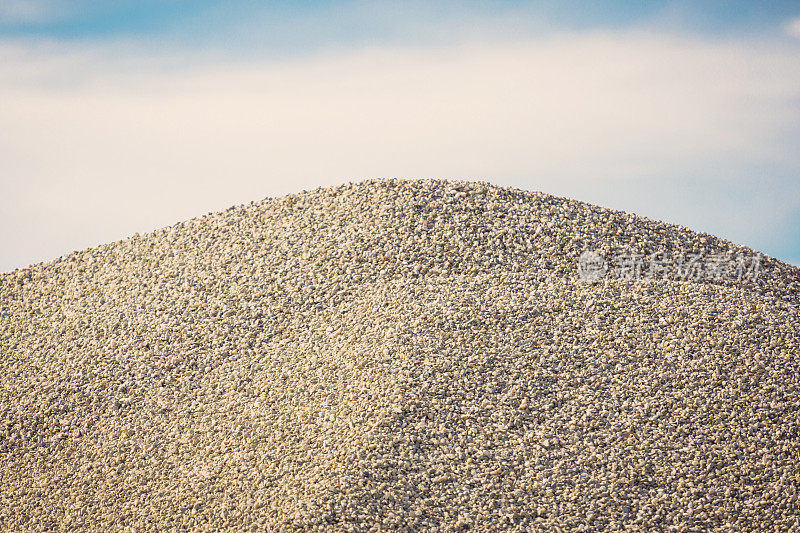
[[387, 355]]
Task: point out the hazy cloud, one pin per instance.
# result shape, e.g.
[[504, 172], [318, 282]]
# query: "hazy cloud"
[[793, 27], [96, 145]]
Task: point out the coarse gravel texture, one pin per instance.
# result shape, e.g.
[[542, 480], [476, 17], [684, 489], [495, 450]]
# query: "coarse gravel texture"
[[397, 355]]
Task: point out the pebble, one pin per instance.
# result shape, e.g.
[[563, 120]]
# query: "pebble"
[[397, 355]]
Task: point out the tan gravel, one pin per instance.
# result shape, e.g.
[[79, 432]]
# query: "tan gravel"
[[398, 355]]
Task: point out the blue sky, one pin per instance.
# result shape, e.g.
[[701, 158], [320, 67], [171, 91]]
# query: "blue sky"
[[124, 116], [378, 21]]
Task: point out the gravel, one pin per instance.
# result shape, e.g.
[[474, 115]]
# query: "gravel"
[[416, 355]]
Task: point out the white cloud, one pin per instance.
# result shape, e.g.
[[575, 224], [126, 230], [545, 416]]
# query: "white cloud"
[[91, 151], [792, 28]]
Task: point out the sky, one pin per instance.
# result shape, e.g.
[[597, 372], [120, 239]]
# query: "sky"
[[118, 117]]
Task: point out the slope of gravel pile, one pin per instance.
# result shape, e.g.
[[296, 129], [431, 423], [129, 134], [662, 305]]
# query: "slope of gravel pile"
[[397, 355]]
